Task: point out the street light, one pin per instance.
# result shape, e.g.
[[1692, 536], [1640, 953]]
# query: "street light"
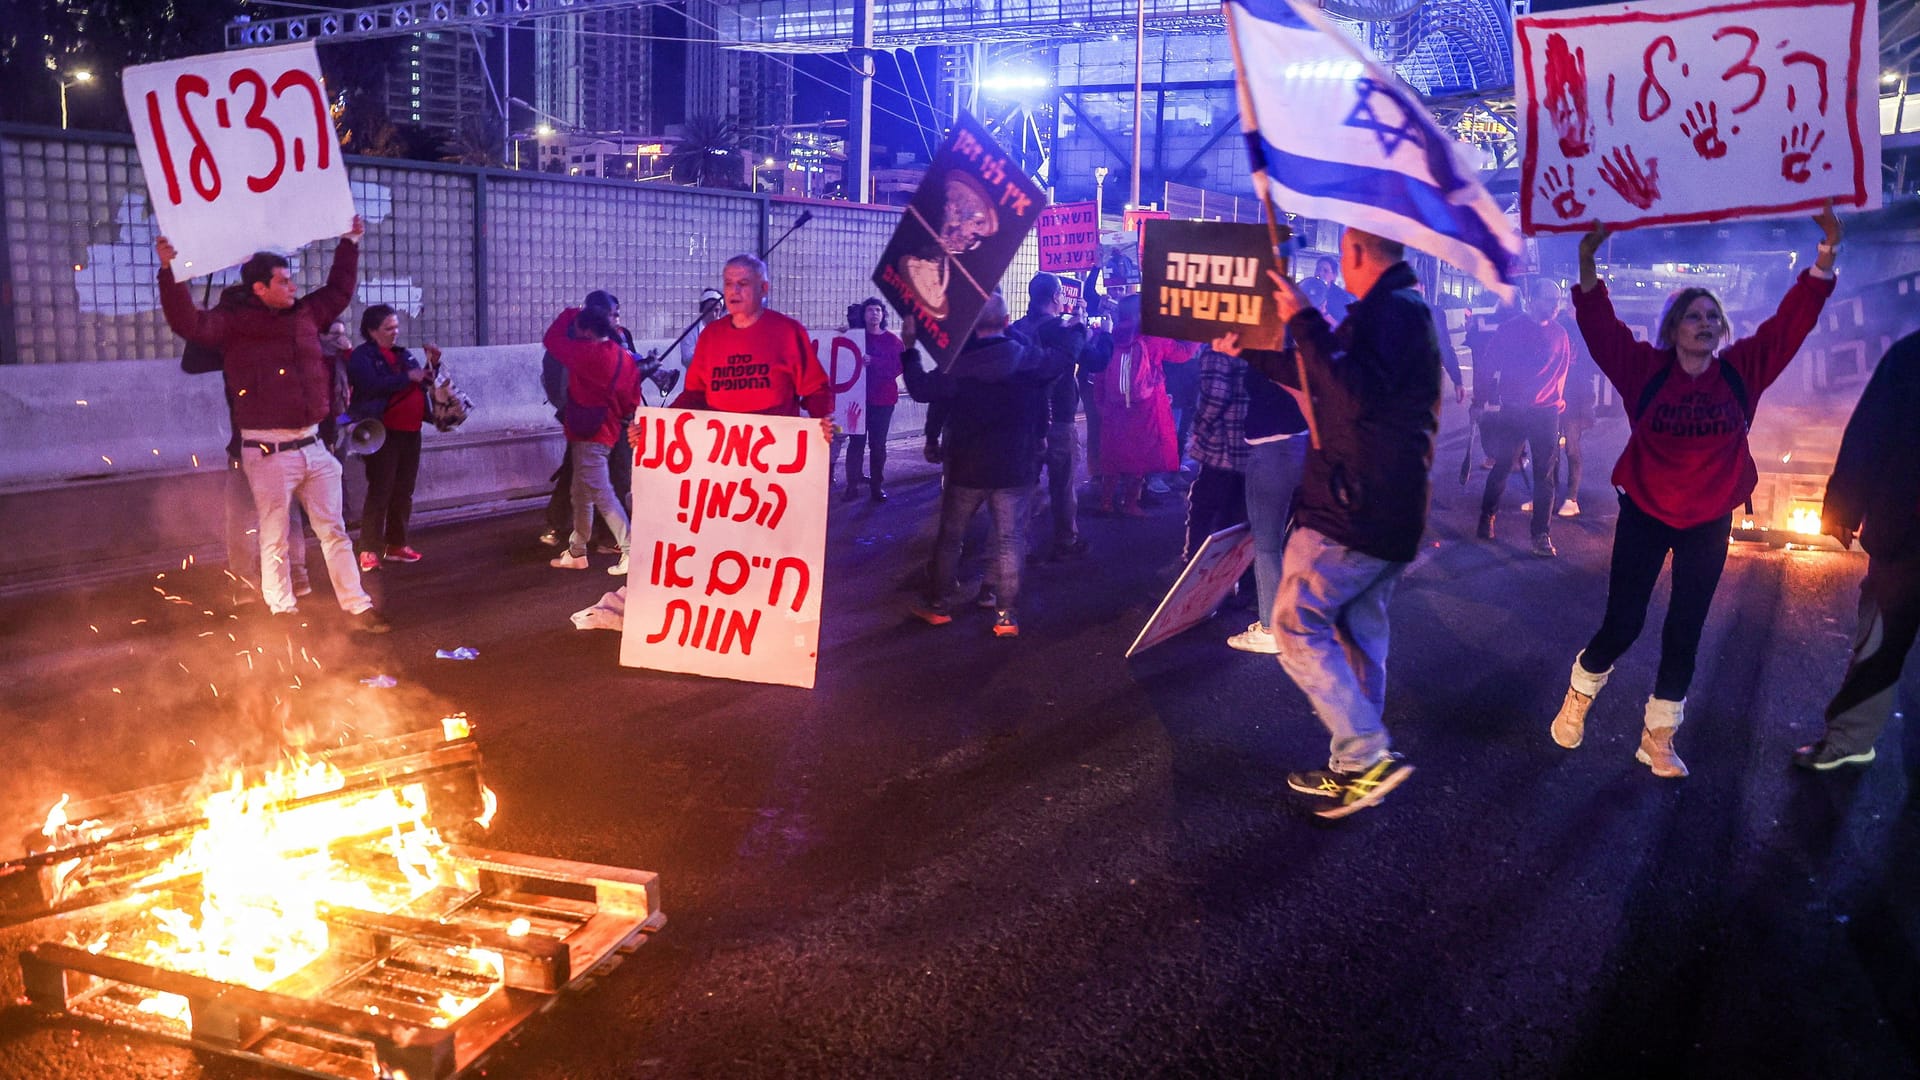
[[78, 77]]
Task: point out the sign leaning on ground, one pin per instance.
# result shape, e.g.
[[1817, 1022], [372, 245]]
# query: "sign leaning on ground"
[[843, 356], [1069, 237], [957, 237], [1674, 111], [240, 154], [1201, 279], [730, 585], [1203, 586]]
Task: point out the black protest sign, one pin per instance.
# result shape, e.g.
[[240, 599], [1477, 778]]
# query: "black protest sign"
[[1201, 279], [957, 238]]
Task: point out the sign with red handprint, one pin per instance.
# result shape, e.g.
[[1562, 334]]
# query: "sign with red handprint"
[[844, 358], [239, 152], [1667, 112]]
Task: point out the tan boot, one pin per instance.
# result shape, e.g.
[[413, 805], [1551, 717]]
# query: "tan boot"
[[1570, 724], [1656, 742]]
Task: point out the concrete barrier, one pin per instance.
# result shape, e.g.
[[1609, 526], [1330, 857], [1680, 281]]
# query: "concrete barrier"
[[117, 466]]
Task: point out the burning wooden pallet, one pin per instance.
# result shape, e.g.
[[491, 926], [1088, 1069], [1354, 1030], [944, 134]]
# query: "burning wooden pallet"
[[419, 973]]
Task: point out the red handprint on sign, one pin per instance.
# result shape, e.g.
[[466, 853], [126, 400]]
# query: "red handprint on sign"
[[1796, 152], [1624, 174], [1566, 98], [1559, 188], [853, 415], [1702, 125]]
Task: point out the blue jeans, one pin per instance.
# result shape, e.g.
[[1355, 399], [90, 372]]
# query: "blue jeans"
[[1007, 546], [1273, 472], [1331, 626], [593, 490]]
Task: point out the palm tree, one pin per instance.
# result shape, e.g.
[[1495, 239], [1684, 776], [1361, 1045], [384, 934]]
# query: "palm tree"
[[476, 143], [709, 155]]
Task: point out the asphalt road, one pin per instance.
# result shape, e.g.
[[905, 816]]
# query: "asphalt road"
[[962, 856]]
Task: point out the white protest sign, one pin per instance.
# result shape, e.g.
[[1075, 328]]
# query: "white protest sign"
[[732, 509], [1203, 586], [1675, 111], [844, 358], [240, 154]]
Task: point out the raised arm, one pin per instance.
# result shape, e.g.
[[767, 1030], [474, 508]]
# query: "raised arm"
[[207, 328], [1761, 358], [326, 303]]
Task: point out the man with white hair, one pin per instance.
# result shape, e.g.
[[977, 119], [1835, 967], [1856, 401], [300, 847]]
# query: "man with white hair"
[[755, 360]]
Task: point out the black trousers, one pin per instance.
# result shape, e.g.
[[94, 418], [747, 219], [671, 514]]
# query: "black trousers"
[[1889, 622], [1217, 500], [1641, 543], [1502, 433], [879, 419], [391, 473]]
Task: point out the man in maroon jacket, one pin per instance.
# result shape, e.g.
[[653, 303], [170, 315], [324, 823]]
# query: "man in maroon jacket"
[[282, 387]]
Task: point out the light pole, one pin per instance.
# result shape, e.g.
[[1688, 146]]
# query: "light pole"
[[1099, 193], [78, 78], [541, 131]]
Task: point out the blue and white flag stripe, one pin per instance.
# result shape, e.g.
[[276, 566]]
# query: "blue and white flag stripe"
[[1340, 137]]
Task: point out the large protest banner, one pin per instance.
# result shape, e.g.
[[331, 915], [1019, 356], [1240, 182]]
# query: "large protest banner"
[[1206, 583], [957, 237], [1201, 279], [731, 510], [843, 356], [1676, 111], [1068, 237], [239, 152]]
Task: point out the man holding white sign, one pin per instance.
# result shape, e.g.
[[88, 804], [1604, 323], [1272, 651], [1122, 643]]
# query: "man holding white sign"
[[282, 388]]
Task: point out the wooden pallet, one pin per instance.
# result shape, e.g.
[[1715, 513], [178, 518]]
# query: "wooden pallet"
[[359, 1013]]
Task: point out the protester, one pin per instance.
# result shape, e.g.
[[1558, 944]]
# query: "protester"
[[1530, 355], [1582, 413], [1360, 510], [756, 360], [603, 389], [1136, 418], [1323, 290], [1874, 494], [1218, 498], [282, 387], [883, 395], [388, 386], [996, 391], [1276, 438], [336, 346], [1685, 468], [1047, 325], [553, 383]]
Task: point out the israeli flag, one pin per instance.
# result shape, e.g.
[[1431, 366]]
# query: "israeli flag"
[[1334, 135]]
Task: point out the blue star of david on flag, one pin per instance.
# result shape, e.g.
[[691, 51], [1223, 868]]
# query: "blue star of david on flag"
[[1335, 135]]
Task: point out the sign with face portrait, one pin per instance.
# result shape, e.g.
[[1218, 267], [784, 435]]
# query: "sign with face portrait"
[[957, 238]]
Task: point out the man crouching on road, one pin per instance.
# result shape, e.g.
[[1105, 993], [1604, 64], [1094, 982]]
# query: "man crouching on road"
[[1361, 508], [282, 384]]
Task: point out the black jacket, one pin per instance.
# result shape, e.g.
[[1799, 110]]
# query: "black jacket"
[[1075, 348], [1375, 383], [1875, 486], [995, 396]]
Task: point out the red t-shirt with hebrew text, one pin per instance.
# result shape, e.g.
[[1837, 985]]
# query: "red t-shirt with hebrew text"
[[768, 368]]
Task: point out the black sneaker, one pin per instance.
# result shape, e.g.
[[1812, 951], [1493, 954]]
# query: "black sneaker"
[[1821, 757], [1543, 547], [987, 600], [1349, 792], [371, 621], [1485, 531], [1006, 623], [1070, 549]]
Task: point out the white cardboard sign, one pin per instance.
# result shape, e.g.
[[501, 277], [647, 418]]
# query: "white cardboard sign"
[[731, 509], [239, 153], [844, 358], [1674, 111]]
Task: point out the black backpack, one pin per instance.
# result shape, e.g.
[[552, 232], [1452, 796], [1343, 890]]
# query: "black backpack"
[[1734, 383]]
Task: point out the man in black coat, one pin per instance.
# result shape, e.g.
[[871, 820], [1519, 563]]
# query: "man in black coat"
[[1874, 494], [995, 400], [1374, 383], [1047, 326]]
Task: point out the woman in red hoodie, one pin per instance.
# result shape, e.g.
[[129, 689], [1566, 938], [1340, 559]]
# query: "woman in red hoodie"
[[1685, 468]]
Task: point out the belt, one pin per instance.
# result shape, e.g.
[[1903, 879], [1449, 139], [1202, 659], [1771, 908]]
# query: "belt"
[[280, 448]]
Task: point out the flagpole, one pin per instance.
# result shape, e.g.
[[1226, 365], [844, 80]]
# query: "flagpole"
[[1277, 232]]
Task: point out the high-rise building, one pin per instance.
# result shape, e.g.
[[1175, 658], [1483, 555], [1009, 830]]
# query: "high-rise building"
[[593, 71], [438, 81]]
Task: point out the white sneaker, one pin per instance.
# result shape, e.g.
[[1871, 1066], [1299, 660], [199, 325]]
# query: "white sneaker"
[[1158, 485], [568, 561], [550, 538], [619, 569], [1255, 639], [1527, 507], [1570, 508]]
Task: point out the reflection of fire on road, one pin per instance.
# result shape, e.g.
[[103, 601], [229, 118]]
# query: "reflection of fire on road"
[[967, 218]]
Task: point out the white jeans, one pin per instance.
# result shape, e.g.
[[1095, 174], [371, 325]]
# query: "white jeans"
[[313, 476]]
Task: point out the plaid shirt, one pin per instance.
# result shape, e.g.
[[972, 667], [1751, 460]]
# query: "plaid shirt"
[[1219, 420]]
